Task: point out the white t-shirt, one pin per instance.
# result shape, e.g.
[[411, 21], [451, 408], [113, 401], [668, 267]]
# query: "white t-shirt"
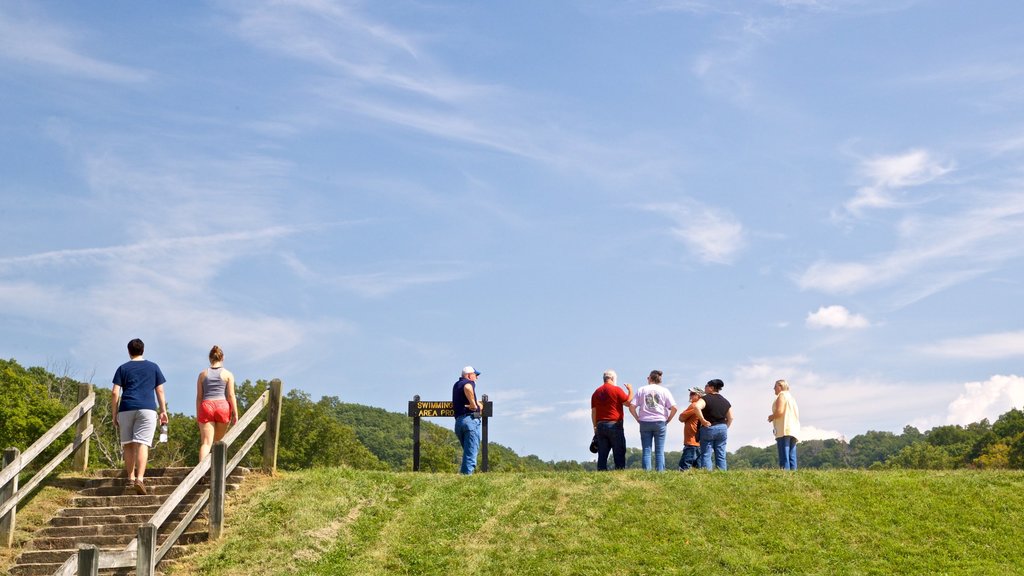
[[653, 403]]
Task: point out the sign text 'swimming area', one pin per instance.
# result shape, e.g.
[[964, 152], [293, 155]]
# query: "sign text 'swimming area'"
[[431, 409]]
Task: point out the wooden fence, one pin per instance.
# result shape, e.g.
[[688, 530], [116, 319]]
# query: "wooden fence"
[[15, 461]]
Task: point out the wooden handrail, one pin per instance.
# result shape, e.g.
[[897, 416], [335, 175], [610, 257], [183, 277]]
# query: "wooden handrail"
[[44, 472], [46, 439]]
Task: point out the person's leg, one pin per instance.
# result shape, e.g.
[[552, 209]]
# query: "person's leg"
[[619, 446], [646, 438], [130, 450], [206, 433], [461, 432], [721, 436], [472, 445], [792, 453], [141, 458], [691, 457], [783, 449], [604, 446], [659, 446], [706, 448]]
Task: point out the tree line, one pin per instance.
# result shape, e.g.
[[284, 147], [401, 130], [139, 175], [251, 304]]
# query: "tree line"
[[329, 432]]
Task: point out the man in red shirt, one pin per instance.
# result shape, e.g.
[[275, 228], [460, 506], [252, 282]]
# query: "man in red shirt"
[[606, 414]]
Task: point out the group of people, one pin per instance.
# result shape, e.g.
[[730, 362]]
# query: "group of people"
[[706, 421], [138, 405]]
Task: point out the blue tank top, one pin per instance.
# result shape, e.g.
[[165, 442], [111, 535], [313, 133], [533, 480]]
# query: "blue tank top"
[[213, 385]]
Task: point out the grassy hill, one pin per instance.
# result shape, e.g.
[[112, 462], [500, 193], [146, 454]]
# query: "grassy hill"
[[341, 521]]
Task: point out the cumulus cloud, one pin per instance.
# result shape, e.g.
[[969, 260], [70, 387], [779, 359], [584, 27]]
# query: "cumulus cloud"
[[988, 399], [981, 347], [886, 175], [835, 317], [711, 235]]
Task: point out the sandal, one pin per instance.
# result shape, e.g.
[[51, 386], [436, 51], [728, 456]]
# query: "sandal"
[[140, 489]]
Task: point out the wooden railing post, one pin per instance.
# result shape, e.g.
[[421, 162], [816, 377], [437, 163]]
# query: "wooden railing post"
[[273, 427], [145, 562], [88, 560], [217, 480], [11, 456], [81, 463]]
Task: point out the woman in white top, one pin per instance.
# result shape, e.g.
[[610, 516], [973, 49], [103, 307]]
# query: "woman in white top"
[[215, 402], [653, 407], [785, 419]]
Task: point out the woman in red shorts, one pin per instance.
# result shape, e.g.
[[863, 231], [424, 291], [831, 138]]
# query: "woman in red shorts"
[[215, 402]]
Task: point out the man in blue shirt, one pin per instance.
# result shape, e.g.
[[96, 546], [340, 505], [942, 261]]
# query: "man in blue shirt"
[[132, 401], [467, 417]]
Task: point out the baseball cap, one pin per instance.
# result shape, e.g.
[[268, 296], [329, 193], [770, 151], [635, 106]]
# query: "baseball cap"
[[697, 391], [470, 370]]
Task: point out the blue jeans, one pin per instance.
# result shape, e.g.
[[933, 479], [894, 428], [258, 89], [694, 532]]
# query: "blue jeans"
[[611, 437], [787, 452], [653, 431], [690, 457], [713, 440], [467, 429]]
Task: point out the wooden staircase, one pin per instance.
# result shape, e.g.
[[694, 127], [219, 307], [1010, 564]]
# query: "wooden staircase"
[[107, 513]]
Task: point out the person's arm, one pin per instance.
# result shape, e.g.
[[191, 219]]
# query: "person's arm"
[[162, 402], [778, 409], [471, 397], [229, 390], [728, 418], [115, 400], [672, 413], [685, 414], [699, 407], [593, 417], [199, 391], [629, 388]]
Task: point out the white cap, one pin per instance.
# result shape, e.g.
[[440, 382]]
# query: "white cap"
[[469, 370]]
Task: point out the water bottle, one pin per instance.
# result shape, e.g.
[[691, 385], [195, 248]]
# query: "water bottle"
[[163, 432]]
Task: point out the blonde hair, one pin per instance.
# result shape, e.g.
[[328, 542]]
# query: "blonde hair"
[[783, 384], [216, 354]]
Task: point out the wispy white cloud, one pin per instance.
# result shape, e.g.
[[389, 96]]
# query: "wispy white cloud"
[[934, 252], [981, 347], [381, 283], [710, 234], [140, 250], [29, 39], [835, 317], [888, 175]]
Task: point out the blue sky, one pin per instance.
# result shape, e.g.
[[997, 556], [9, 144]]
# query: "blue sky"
[[360, 198]]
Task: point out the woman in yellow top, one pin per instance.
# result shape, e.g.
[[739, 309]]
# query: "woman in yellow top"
[[785, 418]]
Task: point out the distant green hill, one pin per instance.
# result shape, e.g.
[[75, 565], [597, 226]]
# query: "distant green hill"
[[343, 521], [388, 435]]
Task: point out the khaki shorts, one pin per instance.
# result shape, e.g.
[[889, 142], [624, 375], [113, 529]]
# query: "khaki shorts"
[[137, 426]]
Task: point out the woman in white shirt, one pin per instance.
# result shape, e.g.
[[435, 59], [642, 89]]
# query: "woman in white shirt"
[[653, 407]]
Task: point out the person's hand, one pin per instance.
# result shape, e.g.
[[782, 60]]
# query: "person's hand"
[[771, 417], [117, 425], [163, 417]]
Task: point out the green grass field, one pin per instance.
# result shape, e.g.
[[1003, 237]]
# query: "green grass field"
[[336, 521]]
